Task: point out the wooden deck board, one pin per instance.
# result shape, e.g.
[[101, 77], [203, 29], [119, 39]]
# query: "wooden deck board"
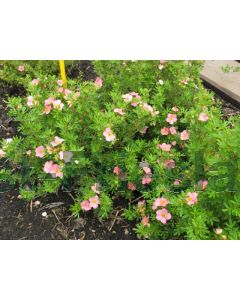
[[227, 84]]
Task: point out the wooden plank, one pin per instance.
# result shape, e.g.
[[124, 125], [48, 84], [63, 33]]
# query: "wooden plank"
[[226, 84]]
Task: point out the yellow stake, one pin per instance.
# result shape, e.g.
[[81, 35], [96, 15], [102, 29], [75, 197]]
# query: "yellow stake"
[[63, 73]]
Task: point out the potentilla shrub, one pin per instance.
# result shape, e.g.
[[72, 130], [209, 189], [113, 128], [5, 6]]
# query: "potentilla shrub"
[[146, 132]]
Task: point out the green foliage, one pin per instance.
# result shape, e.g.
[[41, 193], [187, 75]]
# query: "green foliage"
[[116, 135]]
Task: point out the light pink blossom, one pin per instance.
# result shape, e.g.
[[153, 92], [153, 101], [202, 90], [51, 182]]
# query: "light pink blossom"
[[57, 141], [145, 221], [203, 184], [184, 135], [66, 156], [165, 131], [144, 130], [172, 130], [109, 135], [141, 203], [160, 202], [127, 98], [134, 94], [60, 89], [146, 180], [117, 170], [98, 82], [40, 151], [131, 186], [147, 170], [174, 143], [165, 147], [57, 104], [30, 101], [203, 117], [163, 215], [21, 68], [119, 111], [96, 188], [85, 205], [60, 82], [94, 202], [35, 81], [2, 153], [175, 109], [192, 198], [67, 92], [49, 101], [177, 182], [56, 170], [171, 118], [48, 166], [47, 109], [134, 104], [169, 164]]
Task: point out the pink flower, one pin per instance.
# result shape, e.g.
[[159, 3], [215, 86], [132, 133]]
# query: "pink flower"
[[35, 81], [119, 111], [147, 170], [56, 170], [176, 182], [134, 104], [144, 130], [98, 82], [172, 130], [2, 153], [96, 188], [165, 131], [160, 202], [175, 109], [58, 104], [127, 98], [203, 117], [185, 81], [30, 102], [141, 203], [85, 205], [57, 141], [60, 83], [21, 68], [60, 89], [40, 151], [131, 186], [146, 180], [171, 118], [184, 135], [163, 215], [94, 202], [117, 170], [49, 101], [48, 166], [47, 109], [203, 184], [134, 94], [165, 147], [169, 164], [109, 135], [145, 221], [174, 143], [192, 198], [67, 92]]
